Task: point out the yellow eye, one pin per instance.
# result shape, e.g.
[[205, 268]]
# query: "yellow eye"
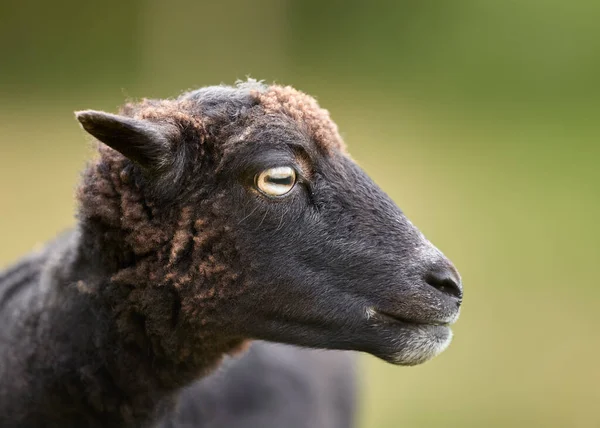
[[276, 181]]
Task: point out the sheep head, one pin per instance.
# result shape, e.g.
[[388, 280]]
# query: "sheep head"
[[245, 204]]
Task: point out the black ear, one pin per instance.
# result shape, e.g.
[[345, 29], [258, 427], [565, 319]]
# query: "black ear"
[[142, 141]]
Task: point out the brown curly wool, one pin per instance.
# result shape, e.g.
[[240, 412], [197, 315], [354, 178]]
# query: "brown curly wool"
[[303, 109], [174, 111], [172, 246]]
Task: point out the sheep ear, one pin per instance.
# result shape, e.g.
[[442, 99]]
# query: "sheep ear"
[[142, 141]]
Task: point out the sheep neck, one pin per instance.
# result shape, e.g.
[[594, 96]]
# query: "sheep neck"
[[129, 269]]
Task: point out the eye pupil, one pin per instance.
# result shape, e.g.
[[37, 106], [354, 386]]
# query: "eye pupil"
[[285, 181], [276, 181]]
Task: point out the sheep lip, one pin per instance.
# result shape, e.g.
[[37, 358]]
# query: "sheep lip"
[[394, 318]]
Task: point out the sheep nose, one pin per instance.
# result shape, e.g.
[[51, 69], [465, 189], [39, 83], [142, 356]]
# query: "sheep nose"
[[446, 280]]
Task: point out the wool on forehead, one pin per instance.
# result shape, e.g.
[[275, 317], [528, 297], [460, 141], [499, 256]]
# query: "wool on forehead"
[[305, 110], [274, 100]]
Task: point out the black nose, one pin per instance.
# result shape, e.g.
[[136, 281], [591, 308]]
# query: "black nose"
[[446, 280]]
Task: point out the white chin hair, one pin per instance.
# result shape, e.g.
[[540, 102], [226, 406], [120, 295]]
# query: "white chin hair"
[[423, 346]]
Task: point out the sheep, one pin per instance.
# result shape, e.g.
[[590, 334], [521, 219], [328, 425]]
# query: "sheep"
[[224, 215], [271, 386]]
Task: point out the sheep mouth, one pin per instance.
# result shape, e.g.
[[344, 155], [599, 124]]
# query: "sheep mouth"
[[399, 319], [408, 341]]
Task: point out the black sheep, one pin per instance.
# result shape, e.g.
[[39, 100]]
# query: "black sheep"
[[227, 214]]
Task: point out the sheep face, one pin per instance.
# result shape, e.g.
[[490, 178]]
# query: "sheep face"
[[246, 204]]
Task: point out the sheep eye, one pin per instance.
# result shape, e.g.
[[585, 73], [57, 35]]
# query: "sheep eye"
[[276, 181]]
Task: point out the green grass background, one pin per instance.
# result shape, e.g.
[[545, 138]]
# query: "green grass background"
[[479, 118]]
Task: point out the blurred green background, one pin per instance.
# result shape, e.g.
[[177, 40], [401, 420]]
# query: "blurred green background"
[[479, 118]]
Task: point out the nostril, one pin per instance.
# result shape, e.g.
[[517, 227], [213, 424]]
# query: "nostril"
[[445, 282]]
